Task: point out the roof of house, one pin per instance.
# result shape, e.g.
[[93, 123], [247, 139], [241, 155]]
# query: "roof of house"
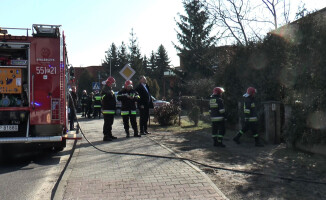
[[289, 30]]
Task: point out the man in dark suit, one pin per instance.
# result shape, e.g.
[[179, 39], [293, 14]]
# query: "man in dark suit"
[[144, 104]]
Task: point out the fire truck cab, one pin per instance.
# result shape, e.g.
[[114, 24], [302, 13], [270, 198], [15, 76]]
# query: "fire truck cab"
[[33, 86]]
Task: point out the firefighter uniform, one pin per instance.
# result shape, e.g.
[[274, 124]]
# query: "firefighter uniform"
[[217, 112], [108, 110], [97, 104], [84, 98], [250, 117], [128, 99]]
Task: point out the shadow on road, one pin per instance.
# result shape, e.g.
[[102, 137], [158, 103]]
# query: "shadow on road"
[[14, 157]]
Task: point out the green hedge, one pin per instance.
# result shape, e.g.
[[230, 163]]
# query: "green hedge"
[[289, 69]]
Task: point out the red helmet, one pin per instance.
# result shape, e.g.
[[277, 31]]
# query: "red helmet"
[[110, 81], [251, 91], [128, 83], [218, 90]]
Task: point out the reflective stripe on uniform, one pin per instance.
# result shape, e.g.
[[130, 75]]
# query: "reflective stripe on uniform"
[[220, 136], [255, 135], [213, 105], [252, 119], [214, 136], [222, 110], [253, 105], [133, 112], [97, 106], [246, 111], [98, 98], [108, 111], [124, 112], [217, 119]]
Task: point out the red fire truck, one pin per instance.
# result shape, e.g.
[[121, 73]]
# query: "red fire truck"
[[33, 86]]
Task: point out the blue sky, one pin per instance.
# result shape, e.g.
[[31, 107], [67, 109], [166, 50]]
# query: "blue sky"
[[92, 26]]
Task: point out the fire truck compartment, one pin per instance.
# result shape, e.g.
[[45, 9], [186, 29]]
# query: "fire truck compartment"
[[13, 74]]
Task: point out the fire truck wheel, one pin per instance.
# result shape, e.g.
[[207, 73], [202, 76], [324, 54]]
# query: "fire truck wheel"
[[60, 146]]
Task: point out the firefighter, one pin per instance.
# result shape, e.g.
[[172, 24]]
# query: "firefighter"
[[250, 117], [90, 104], [217, 112], [97, 104], [84, 98], [128, 97], [108, 108]]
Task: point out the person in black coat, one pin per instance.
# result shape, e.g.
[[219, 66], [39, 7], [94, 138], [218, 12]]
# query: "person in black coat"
[[90, 105], [84, 103], [72, 103], [144, 104]]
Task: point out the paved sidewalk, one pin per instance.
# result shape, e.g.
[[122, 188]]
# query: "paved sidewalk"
[[96, 175]]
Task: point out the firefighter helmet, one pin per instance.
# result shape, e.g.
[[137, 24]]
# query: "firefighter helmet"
[[218, 90], [110, 82], [251, 91], [128, 83], [84, 91]]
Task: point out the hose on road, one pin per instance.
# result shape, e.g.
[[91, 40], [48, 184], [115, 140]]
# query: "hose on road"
[[203, 164]]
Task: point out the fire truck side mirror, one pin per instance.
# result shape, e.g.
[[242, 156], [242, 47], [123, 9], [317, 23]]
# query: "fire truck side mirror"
[[72, 72]]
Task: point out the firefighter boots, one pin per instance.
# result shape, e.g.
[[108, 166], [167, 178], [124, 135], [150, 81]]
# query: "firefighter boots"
[[236, 139], [107, 138], [111, 136], [136, 134], [218, 143], [127, 134], [215, 142]]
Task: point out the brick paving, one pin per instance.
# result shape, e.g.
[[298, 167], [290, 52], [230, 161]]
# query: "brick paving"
[[96, 175]]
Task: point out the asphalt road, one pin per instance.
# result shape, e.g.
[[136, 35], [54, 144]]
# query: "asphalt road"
[[27, 173]]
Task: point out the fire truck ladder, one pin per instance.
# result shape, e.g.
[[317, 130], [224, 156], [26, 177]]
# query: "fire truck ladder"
[[62, 106]]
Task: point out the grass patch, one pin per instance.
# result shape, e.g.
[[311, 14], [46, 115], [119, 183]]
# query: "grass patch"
[[186, 126]]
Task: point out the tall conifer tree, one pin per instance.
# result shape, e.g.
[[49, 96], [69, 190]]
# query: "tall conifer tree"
[[195, 40], [135, 59], [162, 63], [122, 56], [111, 59]]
